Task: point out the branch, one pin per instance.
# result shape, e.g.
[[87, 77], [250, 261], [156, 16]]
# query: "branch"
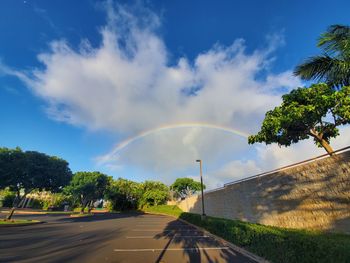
[[334, 118], [315, 134]]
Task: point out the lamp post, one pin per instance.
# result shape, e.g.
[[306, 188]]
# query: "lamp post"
[[200, 169]]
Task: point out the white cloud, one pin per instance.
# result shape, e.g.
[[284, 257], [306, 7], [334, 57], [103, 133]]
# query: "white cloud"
[[127, 85], [271, 157]]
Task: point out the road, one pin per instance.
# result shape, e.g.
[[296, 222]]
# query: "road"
[[126, 237]]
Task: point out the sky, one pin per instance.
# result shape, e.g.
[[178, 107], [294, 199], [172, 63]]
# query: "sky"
[[142, 89]]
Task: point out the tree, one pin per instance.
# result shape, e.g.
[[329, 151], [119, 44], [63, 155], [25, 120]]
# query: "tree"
[[306, 112], [154, 197], [23, 172], [88, 187], [124, 194], [333, 66], [184, 187], [10, 161], [153, 193]]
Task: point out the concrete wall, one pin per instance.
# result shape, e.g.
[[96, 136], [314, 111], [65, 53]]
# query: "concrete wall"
[[314, 195]]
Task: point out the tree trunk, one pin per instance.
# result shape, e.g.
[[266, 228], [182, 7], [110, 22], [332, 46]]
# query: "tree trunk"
[[323, 142], [83, 207], [15, 203], [12, 211], [327, 147], [89, 206]]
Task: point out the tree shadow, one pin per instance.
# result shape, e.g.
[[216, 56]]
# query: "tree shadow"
[[60, 242], [315, 195], [50, 245], [197, 245], [101, 217]]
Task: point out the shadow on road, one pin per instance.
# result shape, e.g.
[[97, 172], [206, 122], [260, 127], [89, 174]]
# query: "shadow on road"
[[100, 217], [193, 240], [60, 240]]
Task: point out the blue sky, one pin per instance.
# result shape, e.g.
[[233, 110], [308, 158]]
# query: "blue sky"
[[188, 45]]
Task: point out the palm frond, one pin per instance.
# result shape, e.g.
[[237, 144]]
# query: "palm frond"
[[314, 68], [336, 40], [339, 74]]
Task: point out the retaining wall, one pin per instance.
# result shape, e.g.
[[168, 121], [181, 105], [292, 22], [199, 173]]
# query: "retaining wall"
[[313, 195]]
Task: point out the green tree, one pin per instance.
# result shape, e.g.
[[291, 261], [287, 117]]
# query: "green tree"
[[154, 193], [87, 187], [124, 194], [23, 172], [333, 66], [154, 197], [306, 112], [184, 187]]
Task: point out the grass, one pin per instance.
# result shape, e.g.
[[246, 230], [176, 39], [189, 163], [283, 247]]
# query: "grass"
[[164, 209], [17, 221], [81, 215], [42, 212], [272, 243], [78, 209]]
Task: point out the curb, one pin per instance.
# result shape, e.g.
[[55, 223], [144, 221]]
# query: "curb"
[[227, 243], [22, 224]]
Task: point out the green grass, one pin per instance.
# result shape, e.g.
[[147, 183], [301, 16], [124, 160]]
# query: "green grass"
[[78, 209], [81, 215], [17, 221], [164, 209], [272, 243]]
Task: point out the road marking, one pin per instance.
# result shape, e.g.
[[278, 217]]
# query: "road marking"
[[170, 249]]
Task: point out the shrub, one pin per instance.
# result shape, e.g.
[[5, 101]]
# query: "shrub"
[[272, 243], [37, 204], [6, 198]]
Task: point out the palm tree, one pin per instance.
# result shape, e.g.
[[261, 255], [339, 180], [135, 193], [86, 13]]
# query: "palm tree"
[[333, 66]]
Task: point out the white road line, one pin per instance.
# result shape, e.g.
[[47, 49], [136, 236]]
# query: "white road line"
[[170, 249]]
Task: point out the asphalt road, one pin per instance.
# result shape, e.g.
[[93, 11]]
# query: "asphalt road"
[[129, 237]]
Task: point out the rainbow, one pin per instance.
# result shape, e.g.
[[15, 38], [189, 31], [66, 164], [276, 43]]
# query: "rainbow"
[[120, 146]]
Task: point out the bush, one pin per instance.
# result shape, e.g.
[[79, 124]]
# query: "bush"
[[6, 198], [272, 243], [109, 206], [49, 201], [278, 244], [37, 204]]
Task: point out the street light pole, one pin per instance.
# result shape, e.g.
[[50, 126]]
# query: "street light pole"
[[200, 169]]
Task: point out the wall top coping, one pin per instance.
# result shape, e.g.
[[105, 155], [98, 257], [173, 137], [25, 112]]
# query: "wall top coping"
[[323, 156]]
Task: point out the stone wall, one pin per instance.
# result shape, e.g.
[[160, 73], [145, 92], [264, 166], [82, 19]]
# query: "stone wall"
[[313, 195]]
